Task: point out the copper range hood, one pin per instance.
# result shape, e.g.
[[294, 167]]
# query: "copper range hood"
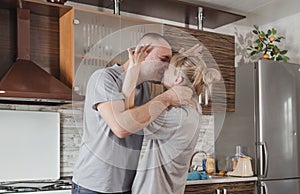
[[25, 80]]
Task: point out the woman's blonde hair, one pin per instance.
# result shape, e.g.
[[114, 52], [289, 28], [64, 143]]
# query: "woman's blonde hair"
[[195, 72]]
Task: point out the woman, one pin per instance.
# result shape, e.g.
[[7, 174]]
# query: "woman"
[[172, 137]]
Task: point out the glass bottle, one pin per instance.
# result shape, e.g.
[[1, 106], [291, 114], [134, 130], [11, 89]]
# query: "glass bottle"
[[238, 154]]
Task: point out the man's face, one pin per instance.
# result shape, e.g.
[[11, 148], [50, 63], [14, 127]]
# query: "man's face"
[[156, 63]]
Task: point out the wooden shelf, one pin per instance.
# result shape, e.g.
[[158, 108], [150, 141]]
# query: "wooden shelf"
[[172, 10], [45, 8], [37, 7]]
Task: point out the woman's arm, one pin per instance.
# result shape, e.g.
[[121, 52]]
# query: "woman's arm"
[[135, 59]]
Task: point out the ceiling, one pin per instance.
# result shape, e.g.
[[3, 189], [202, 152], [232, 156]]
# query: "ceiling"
[[256, 11]]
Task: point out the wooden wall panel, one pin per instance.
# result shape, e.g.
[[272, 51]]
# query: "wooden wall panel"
[[44, 39], [219, 50], [231, 187], [8, 42]]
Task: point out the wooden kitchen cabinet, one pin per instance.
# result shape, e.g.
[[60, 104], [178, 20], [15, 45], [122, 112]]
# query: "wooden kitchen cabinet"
[[70, 43], [45, 32], [219, 53], [222, 188], [100, 39]]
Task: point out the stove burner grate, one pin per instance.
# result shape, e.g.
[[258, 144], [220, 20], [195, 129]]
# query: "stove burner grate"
[[35, 186]]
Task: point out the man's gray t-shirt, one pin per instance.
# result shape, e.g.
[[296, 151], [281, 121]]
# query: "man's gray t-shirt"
[[172, 138], [107, 163]]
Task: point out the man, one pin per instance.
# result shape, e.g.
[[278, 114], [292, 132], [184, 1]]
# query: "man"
[[112, 139]]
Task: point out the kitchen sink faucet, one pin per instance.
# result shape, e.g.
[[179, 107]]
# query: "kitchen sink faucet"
[[195, 167]]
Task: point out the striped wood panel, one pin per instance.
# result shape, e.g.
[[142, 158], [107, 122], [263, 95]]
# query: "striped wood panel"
[[8, 43], [233, 188], [219, 50], [44, 39]]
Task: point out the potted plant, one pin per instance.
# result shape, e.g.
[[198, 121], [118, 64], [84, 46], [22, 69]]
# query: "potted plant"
[[265, 44]]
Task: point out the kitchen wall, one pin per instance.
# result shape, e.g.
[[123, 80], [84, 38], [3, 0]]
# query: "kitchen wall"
[[71, 130], [289, 28], [242, 30]]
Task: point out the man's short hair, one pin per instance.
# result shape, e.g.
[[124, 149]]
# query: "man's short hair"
[[151, 36]]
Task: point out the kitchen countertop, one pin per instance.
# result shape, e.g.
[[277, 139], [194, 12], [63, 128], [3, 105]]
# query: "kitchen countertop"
[[225, 179]]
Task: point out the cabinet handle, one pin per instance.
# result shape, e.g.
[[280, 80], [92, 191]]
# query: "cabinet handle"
[[76, 21], [218, 191], [206, 97], [224, 191]]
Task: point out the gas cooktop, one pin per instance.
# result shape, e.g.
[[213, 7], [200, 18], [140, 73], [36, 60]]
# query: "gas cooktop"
[[18, 187]]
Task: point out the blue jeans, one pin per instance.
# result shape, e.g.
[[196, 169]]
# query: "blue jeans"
[[76, 189]]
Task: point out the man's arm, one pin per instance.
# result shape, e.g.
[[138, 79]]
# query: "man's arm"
[[125, 122]]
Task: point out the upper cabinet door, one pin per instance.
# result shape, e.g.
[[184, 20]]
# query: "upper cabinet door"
[[219, 53]]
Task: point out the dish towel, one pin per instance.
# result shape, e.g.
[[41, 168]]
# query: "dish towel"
[[196, 175]]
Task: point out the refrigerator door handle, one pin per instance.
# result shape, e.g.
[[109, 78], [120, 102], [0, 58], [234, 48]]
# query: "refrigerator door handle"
[[264, 188], [264, 159]]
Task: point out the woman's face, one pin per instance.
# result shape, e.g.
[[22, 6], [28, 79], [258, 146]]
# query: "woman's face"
[[155, 64], [170, 77]]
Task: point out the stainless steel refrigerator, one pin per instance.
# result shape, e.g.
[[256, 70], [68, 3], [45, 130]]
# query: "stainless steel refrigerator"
[[266, 124]]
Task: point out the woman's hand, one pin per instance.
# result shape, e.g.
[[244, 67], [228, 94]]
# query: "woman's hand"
[[139, 55], [136, 57]]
